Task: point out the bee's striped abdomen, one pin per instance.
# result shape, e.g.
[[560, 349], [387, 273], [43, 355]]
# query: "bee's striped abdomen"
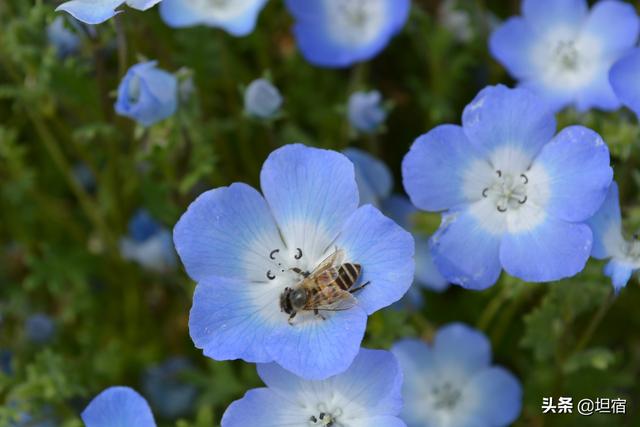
[[348, 275]]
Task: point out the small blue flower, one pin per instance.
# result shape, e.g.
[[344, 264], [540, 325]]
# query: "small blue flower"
[[62, 38], [608, 242], [339, 33], [118, 406], [452, 382], [366, 112], [365, 395], [563, 51], [168, 392], [147, 94], [262, 99], [625, 82], [237, 17], [512, 195], [148, 243], [39, 328], [375, 184], [6, 357], [245, 250], [98, 11]]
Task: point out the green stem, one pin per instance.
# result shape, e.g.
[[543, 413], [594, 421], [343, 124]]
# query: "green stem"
[[595, 322], [492, 308]]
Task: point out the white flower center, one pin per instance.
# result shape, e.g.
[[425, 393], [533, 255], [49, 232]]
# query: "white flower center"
[[631, 250], [567, 57], [221, 9], [508, 191], [133, 89], [286, 264], [355, 22], [445, 396], [325, 417]]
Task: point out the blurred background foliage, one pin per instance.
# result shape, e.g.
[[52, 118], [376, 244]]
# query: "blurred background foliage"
[[72, 174]]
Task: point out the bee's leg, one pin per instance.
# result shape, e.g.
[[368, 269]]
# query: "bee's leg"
[[317, 313], [300, 272], [290, 320], [359, 288]]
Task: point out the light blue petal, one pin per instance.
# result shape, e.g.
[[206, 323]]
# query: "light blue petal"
[[606, 225], [625, 81], [142, 4], [311, 192], [575, 167], [464, 251], [496, 397], [372, 176], [598, 94], [400, 209], [511, 45], [91, 11], [434, 170], [385, 252], [460, 346], [553, 250], [618, 38], [619, 272], [262, 99], [515, 118], [381, 421], [365, 111], [427, 274], [227, 232], [317, 349], [178, 13], [118, 407], [262, 407], [245, 23], [548, 15]]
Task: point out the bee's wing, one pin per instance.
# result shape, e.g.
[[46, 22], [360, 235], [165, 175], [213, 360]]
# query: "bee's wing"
[[332, 299], [325, 277], [334, 259]]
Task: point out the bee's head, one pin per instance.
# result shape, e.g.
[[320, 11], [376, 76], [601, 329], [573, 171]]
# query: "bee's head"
[[298, 298]]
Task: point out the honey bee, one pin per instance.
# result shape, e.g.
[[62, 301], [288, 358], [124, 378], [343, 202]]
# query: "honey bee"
[[327, 288]]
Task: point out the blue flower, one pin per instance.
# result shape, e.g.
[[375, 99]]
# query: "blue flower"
[[6, 357], [148, 243], [452, 383], [237, 17], [147, 94], [375, 184], [39, 328], [338, 33], [512, 195], [245, 250], [366, 112], [563, 51], [170, 395], [608, 242], [262, 99], [98, 11], [62, 38], [625, 82], [118, 406], [367, 394]]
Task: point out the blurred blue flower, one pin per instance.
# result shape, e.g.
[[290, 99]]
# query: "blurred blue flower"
[[169, 394], [338, 33], [262, 99], [366, 112], [245, 250], [375, 184], [98, 11], [563, 51], [26, 420], [84, 176], [625, 82], [608, 242], [237, 17], [452, 383], [148, 243], [118, 406], [39, 328], [512, 195], [367, 394], [147, 94], [6, 357], [63, 39]]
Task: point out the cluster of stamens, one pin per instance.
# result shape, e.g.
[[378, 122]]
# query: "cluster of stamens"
[[445, 396], [276, 259], [567, 55], [507, 191], [633, 249], [355, 11], [326, 418]]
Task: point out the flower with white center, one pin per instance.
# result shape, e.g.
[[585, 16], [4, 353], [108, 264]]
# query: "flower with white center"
[[245, 250], [375, 184], [365, 395], [147, 94], [118, 406], [512, 195], [625, 80], [451, 382], [563, 51], [366, 112], [262, 99], [609, 243], [237, 17], [98, 11], [148, 243], [64, 40], [338, 33]]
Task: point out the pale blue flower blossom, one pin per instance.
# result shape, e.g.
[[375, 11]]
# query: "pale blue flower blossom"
[[625, 80], [366, 112], [262, 99], [63, 39], [169, 393], [118, 407], [98, 11], [39, 328], [148, 243]]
